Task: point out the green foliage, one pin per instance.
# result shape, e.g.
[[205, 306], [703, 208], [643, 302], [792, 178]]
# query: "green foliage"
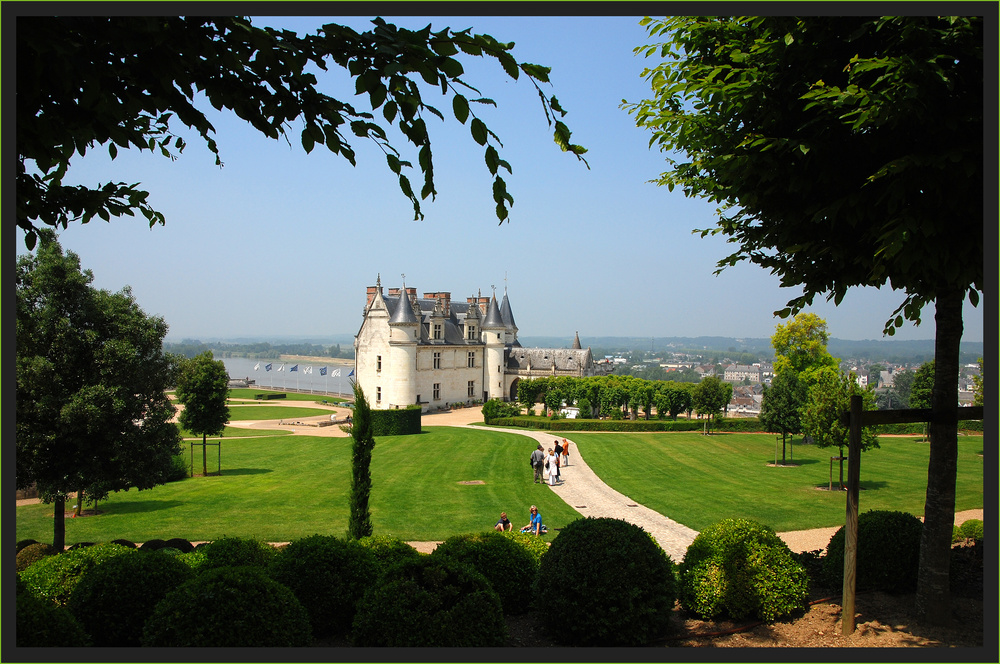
[[888, 553], [742, 569], [800, 345], [328, 576], [21, 544], [971, 529], [181, 544], [32, 553], [264, 76], [534, 545], [203, 388], [179, 468], [113, 601], [154, 544], [41, 624], [605, 582], [509, 567], [54, 578], [494, 409], [430, 601], [194, 559], [237, 551], [359, 520], [923, 384], [745, 424], [396, 421], [234, 607], [710, 396], [829, 397], [388, 550]]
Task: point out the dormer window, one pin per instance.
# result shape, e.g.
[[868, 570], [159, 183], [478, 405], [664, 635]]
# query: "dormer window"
[[437, 330]]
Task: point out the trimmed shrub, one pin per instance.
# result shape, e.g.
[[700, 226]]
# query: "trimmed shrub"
[[55, 577], [113, 601], [388, 551], [153, 545], [328, 576], [605, 582], [972, 529], [42, 624], [179, 468], [124, 542], [181, 544], [495, 409], [430, 601], [533, 544], [888, 553], [509, 568], [396, 421], [80, 545], [194, 559], [228, 607], [742, 569], [25, 542], [32, 553], [237, 551]]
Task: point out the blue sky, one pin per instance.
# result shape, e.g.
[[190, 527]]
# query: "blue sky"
[[282, 243]]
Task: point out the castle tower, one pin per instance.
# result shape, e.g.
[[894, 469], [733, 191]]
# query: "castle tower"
[[494, 331], [404, 333], [510, 328]]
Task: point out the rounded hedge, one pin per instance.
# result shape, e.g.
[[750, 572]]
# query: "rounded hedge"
[[605, 582], [228, 607], [236, 552], [32, 553], [153, 545], [742, 569], [508, 567], [124, 542], [971, 529], [179, 543], [25, 542], [430, 601], [534, 545], [328, 576], [888, 553], [113, 601], [42, 624], [388, 550], [55, 577]]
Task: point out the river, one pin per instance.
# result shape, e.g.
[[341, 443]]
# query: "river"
[[307, 376]]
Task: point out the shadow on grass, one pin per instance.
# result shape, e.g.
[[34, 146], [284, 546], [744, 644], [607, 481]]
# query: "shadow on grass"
[[140, 506], [245, 471]]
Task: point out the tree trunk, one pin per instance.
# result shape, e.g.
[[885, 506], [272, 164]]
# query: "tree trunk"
[[933, 595], [59, 523], [782, 448], [204, 455], [79, 502]]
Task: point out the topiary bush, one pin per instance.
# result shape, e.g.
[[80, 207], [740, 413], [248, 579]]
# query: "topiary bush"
[[888, 553], [113, 600], [328, 576], [181, 544], [25, 542], [32, 553], [605, 582], [430, 601], [533, 544], [509, 567], [55, 577], [228, 607], [741, 569], [388, 551], [124, 542], [237, 551], [194, 559], [42, 624], [153, 545], [80, 545], [970, 530]]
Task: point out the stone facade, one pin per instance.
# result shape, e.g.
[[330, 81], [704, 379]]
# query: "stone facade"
[[435, 352]]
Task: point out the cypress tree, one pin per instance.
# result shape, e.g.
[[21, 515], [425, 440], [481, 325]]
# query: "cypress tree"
[[359, 522]]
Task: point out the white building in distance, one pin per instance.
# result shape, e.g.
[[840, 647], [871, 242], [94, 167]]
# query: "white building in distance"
[[434, 352]]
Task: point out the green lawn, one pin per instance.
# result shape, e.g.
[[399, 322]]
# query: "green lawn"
[[697, 480], [249, 392], [260, 412], [284, 488]]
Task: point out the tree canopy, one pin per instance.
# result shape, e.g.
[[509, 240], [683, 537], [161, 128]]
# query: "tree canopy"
[[120, 82], [91, 408], [203, 388]]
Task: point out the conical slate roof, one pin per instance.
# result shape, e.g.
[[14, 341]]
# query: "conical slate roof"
[[506, 314], [404, 310], [493, 317], [576, 342]]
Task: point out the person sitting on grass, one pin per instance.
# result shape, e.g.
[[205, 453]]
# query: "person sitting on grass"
[[504, 523], [535, 527]]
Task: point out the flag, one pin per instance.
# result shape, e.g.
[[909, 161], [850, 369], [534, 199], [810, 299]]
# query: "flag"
[[256, 367], [308, 370], [350, 374], [322, 371], [281, 368], [336, 372], [267, 367], [295, 367]]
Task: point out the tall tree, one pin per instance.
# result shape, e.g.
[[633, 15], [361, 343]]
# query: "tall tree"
[[802, 130], [977, 385], [709, 397], [119, 82], [203, 388], [91, 405], [800, 345], [781, 407], [902, 385], [359, 522]]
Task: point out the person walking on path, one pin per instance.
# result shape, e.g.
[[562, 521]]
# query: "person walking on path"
[[537, 460], [565, 448], [553, 464]]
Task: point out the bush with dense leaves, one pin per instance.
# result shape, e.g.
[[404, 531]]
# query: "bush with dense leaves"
[[25, 542], [430, 601], [194, 559], [32, 553], [971, 530], [888, 553], [508, 567], [742, 569], [124, 542], [328, 576], [153, 545], [55, 577], [533, 544], [605, 582], [114, 599], [179, 543], [237, 551], [229, 607], [42, 624], [388, 550]]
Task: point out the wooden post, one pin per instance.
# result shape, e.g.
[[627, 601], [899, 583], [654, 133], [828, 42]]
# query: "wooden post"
[[851, 524]]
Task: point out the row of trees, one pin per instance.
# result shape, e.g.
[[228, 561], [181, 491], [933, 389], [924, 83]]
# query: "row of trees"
[[259, 349]]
